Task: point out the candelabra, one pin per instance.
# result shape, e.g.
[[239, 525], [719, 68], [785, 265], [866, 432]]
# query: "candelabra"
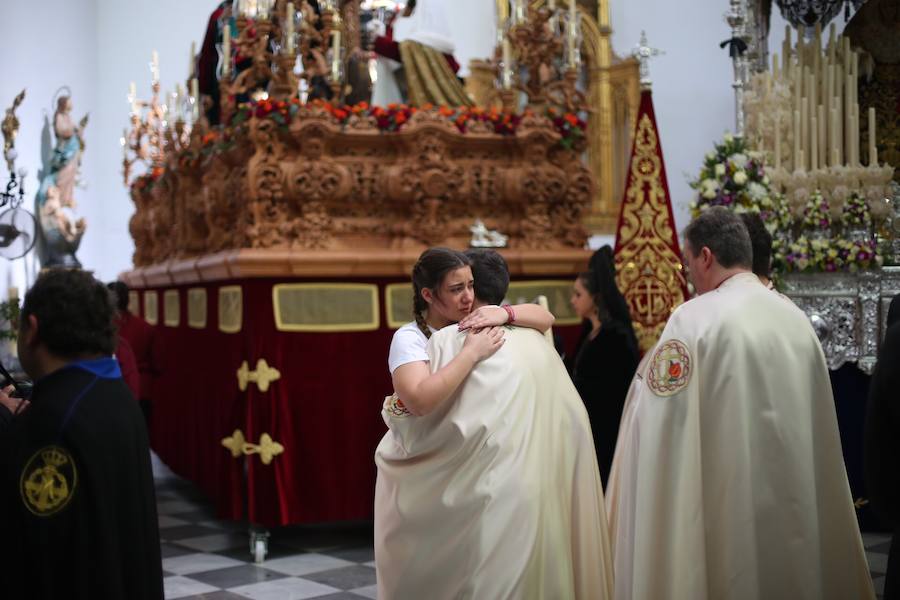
[[145, 142], [531, 36], [736, 18], [15, 188], [266, 48]]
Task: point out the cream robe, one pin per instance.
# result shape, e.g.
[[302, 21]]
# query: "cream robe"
[[728, 479], [496, 494]]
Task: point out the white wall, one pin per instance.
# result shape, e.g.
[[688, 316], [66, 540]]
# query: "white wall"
[[96, 47], [692, 92]]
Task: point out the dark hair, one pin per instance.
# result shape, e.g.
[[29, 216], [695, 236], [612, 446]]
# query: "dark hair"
[[428, 272], [74, 313], [760, 241], [491, 274], [600, 282], [120, 294], [724, 233]]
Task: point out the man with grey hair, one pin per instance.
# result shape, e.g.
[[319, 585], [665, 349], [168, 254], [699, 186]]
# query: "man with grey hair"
[[728, 479]]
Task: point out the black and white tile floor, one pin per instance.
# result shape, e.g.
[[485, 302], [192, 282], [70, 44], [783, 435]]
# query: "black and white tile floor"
[[210, 559]]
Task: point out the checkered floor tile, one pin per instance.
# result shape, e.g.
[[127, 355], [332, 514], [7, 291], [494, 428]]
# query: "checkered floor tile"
[[210, 559], [204, 558]]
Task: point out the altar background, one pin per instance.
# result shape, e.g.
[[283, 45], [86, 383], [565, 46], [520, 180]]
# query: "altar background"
[[98, 47]]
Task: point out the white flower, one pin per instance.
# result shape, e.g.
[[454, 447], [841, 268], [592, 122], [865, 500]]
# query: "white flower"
[[720, 170], [710, 155], [740, 177], [765, 180], [728, 138], [739, 160], [756, 191]]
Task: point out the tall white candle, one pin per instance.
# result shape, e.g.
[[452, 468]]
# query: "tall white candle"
[[813, 144], [154, 66], [796, 155], [226, 50], [507, 67], [192, 58], [873, 150], [336, 55], [777, 140], [822, 135]]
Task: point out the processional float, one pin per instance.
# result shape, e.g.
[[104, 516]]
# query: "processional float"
[[273, 249]]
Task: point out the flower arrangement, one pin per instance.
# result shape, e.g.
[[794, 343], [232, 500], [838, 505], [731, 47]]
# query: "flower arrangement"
[[816, 240], [147, 180], [856, 212], [816, 215], [829, 255], [736, 178]]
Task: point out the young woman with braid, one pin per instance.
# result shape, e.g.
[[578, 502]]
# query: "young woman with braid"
[[443, 290]]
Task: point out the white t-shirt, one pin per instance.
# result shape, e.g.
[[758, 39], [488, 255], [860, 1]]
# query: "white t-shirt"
[[408, 345]]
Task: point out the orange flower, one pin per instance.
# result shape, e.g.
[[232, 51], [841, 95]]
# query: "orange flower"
[[572, 119], [363, 105], [400, 118], [427, 106], [675, 370], [392, 106], [445, 112], [340, 114], [209, 137]]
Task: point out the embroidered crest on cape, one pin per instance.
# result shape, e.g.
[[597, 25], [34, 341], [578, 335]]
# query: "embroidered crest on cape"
[[395, 407], [48, 481], [670, 370]]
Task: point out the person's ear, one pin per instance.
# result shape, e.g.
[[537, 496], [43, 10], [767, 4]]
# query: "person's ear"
[[29, 330], [427, 295], [706, 256]]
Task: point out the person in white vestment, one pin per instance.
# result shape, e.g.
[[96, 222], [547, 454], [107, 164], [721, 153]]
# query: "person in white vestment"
[[728, 479], [496, 493]]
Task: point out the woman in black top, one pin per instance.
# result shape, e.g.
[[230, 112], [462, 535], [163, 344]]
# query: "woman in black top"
[[607, 353]]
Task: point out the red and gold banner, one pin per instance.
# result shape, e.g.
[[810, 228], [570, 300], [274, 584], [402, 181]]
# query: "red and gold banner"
[[648, 258]]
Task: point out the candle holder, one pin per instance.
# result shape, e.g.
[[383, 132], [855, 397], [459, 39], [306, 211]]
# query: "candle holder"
[[536, 47]]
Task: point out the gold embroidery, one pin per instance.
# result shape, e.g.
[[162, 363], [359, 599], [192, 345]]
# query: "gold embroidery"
[[262, 376], [48, 481], [648, 271], [235, 443], [267, 449]]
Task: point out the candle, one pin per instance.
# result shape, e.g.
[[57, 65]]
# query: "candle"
[[775, 63], [14, 293], [154, 66], [823, 136], [263, 9], [836, 143], [796, 154], [507, 67], [226, 50], [855, 138], [777, 140], [873, 150], [124, 141], [192, 59], [813, 144], [289, 27], [336, 55], [804, 134]]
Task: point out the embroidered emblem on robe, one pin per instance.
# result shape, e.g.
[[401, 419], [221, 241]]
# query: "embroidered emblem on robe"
[[670, 370], [48, 481], [395, 407]]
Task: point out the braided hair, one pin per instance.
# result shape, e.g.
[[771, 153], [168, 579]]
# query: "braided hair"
[[600, 282], [429, 272]]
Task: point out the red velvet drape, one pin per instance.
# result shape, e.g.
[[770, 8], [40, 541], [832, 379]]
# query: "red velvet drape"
[[325, 410]]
